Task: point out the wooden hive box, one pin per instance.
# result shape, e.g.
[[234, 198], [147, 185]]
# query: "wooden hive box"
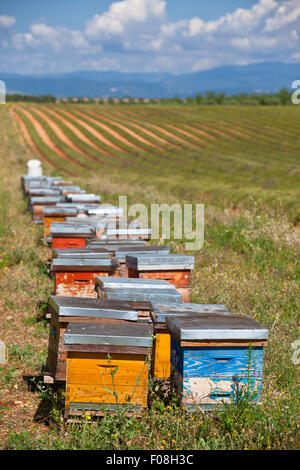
[[67, 235], [83, 198], [100, 223], [175, 269], [75, 277], [113, 246], [82, 207], [37, 205], [63, 310], [107, 367], [66, 190], [56, 214], [138, 292], [81, 253], [116, 244], [122, 252], [107, 210], [43, 192], [161, 357], [216, 359], [37, 181], [133, 233]]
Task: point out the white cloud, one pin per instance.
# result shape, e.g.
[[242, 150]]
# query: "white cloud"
[[124, 14], [7, 21], [138, 35], [40, 36], [287, 14]]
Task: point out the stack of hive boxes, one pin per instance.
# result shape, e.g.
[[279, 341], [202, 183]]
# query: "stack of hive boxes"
[[121, 313]]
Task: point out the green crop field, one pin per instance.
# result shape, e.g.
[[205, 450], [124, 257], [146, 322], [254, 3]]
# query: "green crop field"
[[242, 162]]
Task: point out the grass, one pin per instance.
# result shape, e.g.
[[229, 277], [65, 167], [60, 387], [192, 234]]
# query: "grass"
[[249, 262]]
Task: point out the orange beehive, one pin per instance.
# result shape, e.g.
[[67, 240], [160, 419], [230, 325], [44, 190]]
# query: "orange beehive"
[[175, 269]]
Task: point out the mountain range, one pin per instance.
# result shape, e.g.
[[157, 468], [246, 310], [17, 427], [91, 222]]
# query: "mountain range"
[[264, 77]]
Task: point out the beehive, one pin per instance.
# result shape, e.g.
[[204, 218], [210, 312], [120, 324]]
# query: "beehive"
[[63, 310], [68, 235], [65, 190], [76, 276], [113, 247], [83, 198], [139, 292], [107, 367], [81, 253], [120, 242], [107, 210], [161, 357], [56, 214], [43, 192], [38, 203], [216, 359], [123, 251], [141, 233], [38, 181], [175, 269]]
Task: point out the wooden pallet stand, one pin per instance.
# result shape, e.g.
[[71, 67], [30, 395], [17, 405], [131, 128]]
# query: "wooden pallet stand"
[[107, 367], [64, 310], [216, 359], [161, 357], [175, 269]]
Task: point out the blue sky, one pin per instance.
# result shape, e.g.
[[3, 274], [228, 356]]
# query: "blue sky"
[[175, 36]]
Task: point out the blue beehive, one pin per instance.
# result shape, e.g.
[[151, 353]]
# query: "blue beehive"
[[216, 359]]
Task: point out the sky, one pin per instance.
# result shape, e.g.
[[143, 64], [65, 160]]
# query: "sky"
[[176, 36]]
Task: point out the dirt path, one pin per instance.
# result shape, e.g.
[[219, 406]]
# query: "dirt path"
[[27, 136], [110, 130], [79, 134], [92, 130], [188, 134], [174, 127], [60, 134], [44, 136], [146, 131], [125, 129]]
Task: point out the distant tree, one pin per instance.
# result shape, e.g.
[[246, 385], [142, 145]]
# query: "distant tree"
[[284, 96], [199, 98], [210, 96], [220, 98]]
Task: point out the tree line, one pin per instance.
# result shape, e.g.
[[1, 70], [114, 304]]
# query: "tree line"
[[282, 97]]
